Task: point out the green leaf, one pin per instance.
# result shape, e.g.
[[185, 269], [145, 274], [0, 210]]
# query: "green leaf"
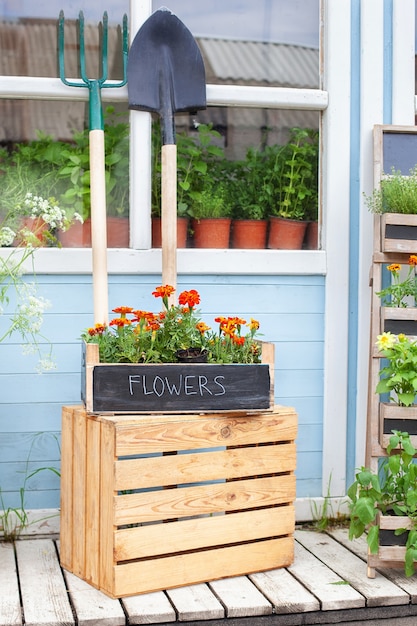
[[373, 539]]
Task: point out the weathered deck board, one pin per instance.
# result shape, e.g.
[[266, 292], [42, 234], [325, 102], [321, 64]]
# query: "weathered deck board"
[[44, 595], [327, 583], [91, 606], [10, 612], [285, 593], [149, 608], [195, 602], [379, 591], [240, 597], [323, 582]]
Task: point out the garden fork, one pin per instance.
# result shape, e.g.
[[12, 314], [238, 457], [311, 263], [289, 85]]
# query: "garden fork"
[[96, 151]]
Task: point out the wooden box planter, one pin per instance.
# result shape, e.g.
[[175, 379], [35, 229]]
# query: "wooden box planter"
[[152, 502], [394, 417], [391, 552], [174, 387], [399, 320], [399, 232]]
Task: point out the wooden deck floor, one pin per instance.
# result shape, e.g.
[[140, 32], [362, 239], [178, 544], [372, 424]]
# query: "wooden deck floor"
[[326, 584]]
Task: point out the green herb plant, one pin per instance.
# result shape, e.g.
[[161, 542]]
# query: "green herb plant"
[[393, 490], [397, 193], [399, 376]]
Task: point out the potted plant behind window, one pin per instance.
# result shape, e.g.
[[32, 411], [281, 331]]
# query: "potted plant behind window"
[[245, 185], [74, 180], [384, 504], [295, 186], [211, 216], [394, 203]]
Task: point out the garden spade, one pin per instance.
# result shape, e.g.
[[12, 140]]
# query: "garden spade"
[[165, 75]]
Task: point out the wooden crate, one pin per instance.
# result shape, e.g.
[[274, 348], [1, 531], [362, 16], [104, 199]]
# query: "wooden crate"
[[390, 554], [394, 417], [154, 502], [399, 233], [174, 387]]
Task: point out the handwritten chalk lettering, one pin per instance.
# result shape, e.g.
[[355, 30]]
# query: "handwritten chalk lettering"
[[187, 385]]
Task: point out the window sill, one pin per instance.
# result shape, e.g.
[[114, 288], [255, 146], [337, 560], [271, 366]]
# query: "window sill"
[[189, 261]]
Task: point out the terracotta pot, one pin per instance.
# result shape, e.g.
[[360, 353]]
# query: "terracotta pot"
[[37, 226], [79, 235], [211, 232], [311, 239], [182, 232], [285, 234], [118, 232], [249, 234]]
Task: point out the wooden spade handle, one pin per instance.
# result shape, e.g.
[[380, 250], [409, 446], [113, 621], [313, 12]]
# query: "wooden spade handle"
[[169, 214], [98, 226]]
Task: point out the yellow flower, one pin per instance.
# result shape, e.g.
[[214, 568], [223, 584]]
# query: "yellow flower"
[[394, 267], [385, 341]]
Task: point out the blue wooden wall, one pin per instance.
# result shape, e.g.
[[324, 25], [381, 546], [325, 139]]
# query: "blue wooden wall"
[[289, 308]]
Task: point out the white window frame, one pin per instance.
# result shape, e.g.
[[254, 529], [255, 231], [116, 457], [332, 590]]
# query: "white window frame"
[[140, 257]]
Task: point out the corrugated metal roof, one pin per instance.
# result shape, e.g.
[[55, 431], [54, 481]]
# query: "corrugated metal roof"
[[255, 62]]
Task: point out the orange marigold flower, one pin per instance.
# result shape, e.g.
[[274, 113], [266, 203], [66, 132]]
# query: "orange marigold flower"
[[164, 291], [219, 319], [202, 327], [239, 341], [98, 329], [122, 310], [394, 267], [120, 322], [153, 325], [140, 315], [189, 298], [412, 260]]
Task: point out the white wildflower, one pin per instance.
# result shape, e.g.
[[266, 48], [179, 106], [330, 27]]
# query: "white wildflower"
[[45, 365], [7, 236]]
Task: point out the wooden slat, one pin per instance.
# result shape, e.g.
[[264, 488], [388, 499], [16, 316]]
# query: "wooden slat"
[[196, 602], [203, 500], [240, 597], [195, 432], [107, 458], [285, 593], [93, 506], [44, 595], [149, 608], [66, 486], [324, 583], [188, 468], [379, 591], [79, 492], [183, 569], [146, 541], [10, 613]]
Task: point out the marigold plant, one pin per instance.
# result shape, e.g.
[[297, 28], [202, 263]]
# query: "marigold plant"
[[394, 295], [136, 336]]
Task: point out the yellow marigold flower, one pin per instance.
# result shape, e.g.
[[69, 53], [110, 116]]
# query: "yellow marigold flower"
[[202, 327], [385, 341], [394, 267], [253, 324]]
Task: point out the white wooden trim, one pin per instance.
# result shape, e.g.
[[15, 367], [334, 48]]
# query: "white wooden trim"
[[403, 80], [372, 84], [335, 190], [43, 88], [140, 262]]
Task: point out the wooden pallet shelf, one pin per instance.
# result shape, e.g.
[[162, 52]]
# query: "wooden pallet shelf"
[[395, 239]]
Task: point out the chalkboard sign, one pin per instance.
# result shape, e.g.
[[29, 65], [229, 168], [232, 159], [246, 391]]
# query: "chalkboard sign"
[[180, 387], [395, 147]]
